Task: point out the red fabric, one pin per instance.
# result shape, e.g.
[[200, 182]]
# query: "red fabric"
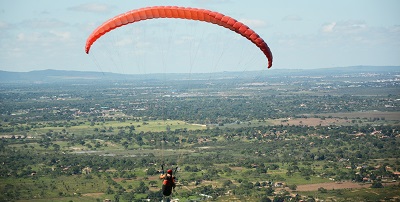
[[182, 13]]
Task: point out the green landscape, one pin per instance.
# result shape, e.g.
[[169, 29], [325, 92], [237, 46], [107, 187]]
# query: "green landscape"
[[289, 135]]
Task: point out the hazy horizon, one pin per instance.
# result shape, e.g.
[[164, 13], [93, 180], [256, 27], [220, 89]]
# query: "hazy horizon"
[[42, 35], [283, 69]]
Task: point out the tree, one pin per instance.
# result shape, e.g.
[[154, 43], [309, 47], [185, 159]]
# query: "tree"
[[109, 191], [116, 197], [152, 183], [125, 144], [376, 185], [142, 188], [151, 171], [292, 187], [56, 147], [279, 199], [322, 190], [265, 199]]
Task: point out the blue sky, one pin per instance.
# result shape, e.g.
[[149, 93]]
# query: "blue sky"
[[48, 34]]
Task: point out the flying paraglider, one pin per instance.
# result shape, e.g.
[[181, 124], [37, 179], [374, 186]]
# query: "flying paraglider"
[[181, 13]]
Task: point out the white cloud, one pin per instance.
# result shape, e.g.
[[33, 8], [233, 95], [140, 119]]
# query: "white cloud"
[[63, 36], [43, 23], [329, 27], [92, 7], [3, 25], [346, 27], [124, 42], [357, 35], [31, 37], [15, 52], [253, 23], [43, 38], [396, 28]]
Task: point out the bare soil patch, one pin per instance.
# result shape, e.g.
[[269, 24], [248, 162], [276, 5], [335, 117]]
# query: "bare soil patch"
[[237, 168], [335, 185], [154, 178], [313, 121], [331, 185], [95, 195], [118, 179], [393, 116]]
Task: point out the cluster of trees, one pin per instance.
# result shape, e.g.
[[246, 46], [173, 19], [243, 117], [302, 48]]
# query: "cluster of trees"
[[261, 149], [340, 152], [55, 103]]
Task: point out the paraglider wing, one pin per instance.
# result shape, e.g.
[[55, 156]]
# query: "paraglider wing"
[[182, 13]]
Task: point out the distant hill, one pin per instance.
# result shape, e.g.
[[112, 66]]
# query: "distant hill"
[[50, 76]]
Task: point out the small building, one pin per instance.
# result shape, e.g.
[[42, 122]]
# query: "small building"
[[86, 170], [278, 184]]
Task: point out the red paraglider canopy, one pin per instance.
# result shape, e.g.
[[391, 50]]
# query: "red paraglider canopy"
[[181, 13]]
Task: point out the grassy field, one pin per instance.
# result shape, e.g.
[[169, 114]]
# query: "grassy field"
[[87, 128], [85, 188], [61, 186], [389, 193]]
